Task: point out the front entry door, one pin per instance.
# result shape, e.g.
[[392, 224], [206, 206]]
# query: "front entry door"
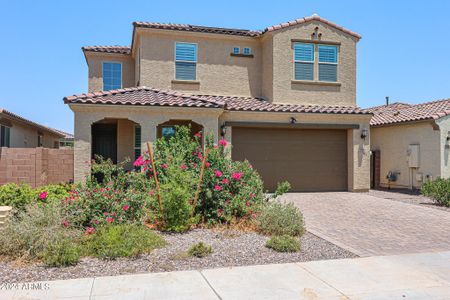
[[104, 141]]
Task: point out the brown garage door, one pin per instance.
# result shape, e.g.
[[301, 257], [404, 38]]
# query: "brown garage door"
[[310, 159]]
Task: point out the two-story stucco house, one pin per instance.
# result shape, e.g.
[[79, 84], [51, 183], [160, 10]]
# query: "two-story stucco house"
[[284, 97]]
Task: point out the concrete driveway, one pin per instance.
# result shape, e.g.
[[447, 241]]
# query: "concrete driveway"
[[368, 225]]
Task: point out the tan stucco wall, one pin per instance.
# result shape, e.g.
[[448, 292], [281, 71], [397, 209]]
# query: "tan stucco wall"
[[147, 117], [393, 141], [95, 64], [23, 136], [267, 67], [217, 71], [285, 91], [444, 148], [358, 149], [125, 142]]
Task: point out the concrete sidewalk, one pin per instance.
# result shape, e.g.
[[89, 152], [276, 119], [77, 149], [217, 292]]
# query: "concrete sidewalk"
[[411, 276]]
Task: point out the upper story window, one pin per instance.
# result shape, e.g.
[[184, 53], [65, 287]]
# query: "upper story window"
[[112, 76], [185, 61], [307, 55], [236, 50], [247, 51], [303, 61], [327, 63], [5, 136]]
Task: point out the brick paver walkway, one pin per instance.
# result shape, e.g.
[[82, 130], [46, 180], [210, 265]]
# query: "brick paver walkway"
[[368, 225]]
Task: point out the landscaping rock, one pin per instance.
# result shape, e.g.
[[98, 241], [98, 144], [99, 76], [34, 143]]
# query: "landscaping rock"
[[231, 248]]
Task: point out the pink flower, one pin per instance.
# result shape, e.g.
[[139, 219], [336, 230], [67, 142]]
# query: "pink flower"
[[43, 195], [225, 181], [199, 155], [218, 173], [223, 142], [198, 134], [89, 230], [183, 167], [139, 161], [65, 223], [106, 213], [164, 166], [218, 188], [208, 164], [125, 207], [252, 195], [109, 220], [95, 222], [246, 203], [219, 212], [236, 175]]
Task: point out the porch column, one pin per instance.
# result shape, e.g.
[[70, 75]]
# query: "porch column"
[[148, 130], [82, 147], [210, 126], [358, 160]]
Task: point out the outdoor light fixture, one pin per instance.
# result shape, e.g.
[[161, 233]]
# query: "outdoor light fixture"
[[293, 120], [364, 133], [223, 130]]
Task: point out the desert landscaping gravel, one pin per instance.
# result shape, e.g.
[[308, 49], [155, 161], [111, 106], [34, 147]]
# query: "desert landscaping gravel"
[[230, 248]]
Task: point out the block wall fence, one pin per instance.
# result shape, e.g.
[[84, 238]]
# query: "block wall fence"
[[36, 166]]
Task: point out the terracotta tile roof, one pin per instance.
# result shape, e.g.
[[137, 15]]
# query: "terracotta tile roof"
[[241, 32], [155, 97], [314, 17], [140, 96], [108, 49], [17, 118], [196, 28], [403, 112]]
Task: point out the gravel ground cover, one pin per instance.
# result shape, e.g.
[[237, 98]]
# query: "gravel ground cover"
[[230, 248], [406, 196]]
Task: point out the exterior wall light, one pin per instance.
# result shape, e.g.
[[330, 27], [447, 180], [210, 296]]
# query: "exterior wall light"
[[364, 133], [293, 120], [223, 130]]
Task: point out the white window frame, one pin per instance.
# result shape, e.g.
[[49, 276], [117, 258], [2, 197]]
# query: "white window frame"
[[249, 51], [303, 61], [121, 71], [9, 137], [328, 63], [175, 61]]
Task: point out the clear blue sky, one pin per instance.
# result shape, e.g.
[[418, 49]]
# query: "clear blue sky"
[[404, 52]]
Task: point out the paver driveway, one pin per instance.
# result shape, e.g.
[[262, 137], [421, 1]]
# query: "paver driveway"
[[368, 225]]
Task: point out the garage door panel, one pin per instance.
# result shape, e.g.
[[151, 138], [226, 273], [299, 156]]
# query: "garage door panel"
[[311, 160]]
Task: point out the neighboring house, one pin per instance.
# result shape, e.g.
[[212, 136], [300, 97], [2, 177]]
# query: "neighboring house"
[[18, 132], [67, 140], [284, 97], [410, 143]]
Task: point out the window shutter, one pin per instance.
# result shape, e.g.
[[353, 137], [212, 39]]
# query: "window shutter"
[[185, 61]]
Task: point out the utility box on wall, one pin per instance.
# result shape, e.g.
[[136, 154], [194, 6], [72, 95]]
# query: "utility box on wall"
[[413, 156]]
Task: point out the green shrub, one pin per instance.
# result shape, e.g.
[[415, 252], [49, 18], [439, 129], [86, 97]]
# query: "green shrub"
[[283, 243], [438, 190], [17, 196], [200, 250], [124, 240], [31, 231], [61, 253], [280, 219], [282, 188]]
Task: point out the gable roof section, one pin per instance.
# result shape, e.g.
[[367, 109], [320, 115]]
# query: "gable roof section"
[[396, 113], [146, 96], [216, 30], [12, 116], [108, 49]]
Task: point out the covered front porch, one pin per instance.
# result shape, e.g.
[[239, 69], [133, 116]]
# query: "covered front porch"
[[120, 133]]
